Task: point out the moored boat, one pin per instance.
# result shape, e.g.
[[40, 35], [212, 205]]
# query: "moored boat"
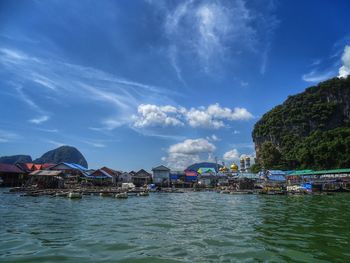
[[122, 195], [143, 194], [74, 195], [102, 194]]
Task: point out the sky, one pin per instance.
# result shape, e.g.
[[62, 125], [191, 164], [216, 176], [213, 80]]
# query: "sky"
[[136, 84]]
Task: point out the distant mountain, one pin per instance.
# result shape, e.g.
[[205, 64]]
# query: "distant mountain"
[[67, 154], [16, 159], [196, 166], [310, 130]]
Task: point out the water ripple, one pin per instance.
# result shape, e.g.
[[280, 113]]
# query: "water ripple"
[[191, 227]]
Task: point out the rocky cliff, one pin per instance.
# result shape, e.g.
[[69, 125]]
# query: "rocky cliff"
[[63, 154], [16, 159], [67, 154], [309, 130]]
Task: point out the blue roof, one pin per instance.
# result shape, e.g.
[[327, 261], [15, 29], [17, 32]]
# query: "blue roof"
[[276, 177], [276, 172], [76, 166], [104, 176]]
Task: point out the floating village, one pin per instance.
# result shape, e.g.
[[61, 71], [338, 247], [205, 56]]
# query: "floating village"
[[73, 180]]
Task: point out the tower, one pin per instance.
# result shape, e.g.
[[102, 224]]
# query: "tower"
[[247, 163], [242, 165]]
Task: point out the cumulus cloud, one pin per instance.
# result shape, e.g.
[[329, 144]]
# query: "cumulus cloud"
[[182, 154], [190, 146], [326, 68], [153, 115], [344, 70], [232, 155], [212, 117]]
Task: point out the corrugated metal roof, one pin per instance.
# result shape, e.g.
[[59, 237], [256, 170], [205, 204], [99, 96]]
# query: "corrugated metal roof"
[[160, 168], [76, 166], [276, 172], [311, 172], [46, 173], [105, 174], [206, 170]]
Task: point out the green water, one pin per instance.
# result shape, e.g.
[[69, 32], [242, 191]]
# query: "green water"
[[191, 227]]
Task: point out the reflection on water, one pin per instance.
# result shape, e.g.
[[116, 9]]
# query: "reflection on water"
[[191, 227]]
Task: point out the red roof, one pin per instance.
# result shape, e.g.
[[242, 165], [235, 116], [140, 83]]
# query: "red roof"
[[110, 171], [30, 167], [9, 168], [191, 173]]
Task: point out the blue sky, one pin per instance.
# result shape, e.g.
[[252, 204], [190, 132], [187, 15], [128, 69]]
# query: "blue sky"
[[134, 84]]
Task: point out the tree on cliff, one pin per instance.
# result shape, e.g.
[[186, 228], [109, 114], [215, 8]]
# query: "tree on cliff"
[[309, 130]]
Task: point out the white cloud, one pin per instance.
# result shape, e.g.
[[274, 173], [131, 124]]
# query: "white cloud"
[[202, 118], [179, 161], [325, 69], [48, 130], [190, 146], [316, 76], [95, 144], [181, 155], [213, 138], [39, 120], [153, 115], [56, 143], [8, 136], [212, 117], [217, 30], [344, 70], [44, 82], [66, 82], [232, 155]]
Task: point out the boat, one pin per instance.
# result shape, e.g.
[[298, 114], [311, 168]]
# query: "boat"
[[74, 195], [122, 195], [143, 194], [240, 192], [1, 181], [59, 194], [345, 186], [105, 194], [331, 187]]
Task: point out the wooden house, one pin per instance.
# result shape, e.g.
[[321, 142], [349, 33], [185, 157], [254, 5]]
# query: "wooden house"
[[115, 174], [141, 178], [101, 177], [46, 179], [11, 175], [161, 175], [72, 172], [125, 178], [31, 167]]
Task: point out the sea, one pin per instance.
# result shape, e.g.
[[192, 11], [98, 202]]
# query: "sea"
[[175, 227]]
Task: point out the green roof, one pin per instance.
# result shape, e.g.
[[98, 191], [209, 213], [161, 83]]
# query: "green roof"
[[311, 172], [206, 170]]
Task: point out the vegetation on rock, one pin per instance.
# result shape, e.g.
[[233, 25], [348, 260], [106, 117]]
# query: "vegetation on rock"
[[309, 130]]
